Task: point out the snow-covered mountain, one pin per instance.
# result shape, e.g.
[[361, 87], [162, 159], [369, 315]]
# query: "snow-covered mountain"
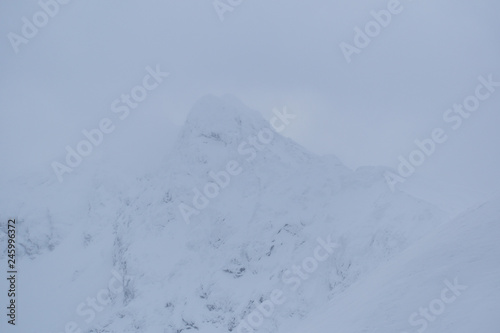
[[242, 230]]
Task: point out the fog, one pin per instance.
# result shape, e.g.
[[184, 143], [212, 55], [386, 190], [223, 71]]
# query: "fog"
[[368, 111]]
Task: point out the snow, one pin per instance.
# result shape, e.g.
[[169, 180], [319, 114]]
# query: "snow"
[[394, 252], [465, 249]]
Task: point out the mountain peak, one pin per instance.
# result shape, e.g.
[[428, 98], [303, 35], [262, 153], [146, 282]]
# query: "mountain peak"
[[217, 127], [221, 114]]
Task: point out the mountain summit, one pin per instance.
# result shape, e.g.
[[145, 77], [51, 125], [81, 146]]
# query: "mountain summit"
[[289, 222]]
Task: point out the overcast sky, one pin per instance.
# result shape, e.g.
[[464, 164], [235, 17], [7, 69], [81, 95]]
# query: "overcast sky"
[[282, 53]]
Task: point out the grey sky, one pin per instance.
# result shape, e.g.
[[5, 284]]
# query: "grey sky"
[[269, 54]]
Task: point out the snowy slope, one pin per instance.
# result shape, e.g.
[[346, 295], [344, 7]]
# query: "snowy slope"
[[406, 294], [251, 239]]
